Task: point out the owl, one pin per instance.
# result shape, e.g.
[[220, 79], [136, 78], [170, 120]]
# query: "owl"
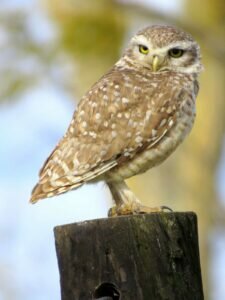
[[130, 120]]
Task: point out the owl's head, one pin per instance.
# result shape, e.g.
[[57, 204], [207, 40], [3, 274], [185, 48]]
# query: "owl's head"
[[163, 48]]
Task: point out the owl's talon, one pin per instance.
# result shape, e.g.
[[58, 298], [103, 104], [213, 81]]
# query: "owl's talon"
[[112, 212], [166, 208], [134, 209], [146, 209]]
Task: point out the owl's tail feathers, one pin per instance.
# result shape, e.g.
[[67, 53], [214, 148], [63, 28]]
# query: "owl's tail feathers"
[[49, 187], [45, 190]]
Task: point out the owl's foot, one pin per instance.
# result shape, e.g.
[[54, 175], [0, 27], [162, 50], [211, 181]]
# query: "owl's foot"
[[127, 203], [134, 209]]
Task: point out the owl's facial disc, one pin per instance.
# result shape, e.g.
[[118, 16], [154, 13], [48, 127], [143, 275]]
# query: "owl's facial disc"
[[181, 56]]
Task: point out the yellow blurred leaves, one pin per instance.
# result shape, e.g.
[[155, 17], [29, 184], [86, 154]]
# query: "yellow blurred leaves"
[[91, 31]]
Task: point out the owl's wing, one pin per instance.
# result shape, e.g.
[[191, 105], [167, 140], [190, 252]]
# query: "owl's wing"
[[114, 121], [62, 171]]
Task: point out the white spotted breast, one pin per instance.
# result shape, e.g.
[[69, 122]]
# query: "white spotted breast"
[[155, 155]]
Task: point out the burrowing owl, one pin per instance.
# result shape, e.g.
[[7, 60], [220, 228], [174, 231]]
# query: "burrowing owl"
[[130, 120]]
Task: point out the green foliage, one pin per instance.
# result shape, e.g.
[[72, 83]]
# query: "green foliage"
[[94, 35]]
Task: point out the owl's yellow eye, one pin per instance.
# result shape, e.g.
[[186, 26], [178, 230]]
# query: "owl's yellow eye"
[[176, 53], [143, 49]]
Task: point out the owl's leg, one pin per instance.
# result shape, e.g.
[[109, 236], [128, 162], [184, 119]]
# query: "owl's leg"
[[126, 201]]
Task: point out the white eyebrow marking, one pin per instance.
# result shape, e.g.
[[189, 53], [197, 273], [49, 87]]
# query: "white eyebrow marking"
[[141, 39], [180, 45]]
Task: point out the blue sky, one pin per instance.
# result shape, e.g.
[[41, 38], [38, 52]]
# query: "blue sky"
[[29, 130]]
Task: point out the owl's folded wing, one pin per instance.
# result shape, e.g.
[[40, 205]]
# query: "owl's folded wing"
[[105, 133]]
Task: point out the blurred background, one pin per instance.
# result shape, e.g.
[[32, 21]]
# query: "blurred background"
[[51, 52]]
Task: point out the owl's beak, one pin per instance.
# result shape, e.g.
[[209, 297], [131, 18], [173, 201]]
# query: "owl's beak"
[[155, 63]]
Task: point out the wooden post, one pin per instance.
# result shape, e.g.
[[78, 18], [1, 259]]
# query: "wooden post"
[[140, 257]]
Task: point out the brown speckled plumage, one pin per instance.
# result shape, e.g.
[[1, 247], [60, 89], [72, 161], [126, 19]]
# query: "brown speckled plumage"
[[170, 35], [131, 119]]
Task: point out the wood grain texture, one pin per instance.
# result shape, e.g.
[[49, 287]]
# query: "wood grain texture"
[[145, 257]]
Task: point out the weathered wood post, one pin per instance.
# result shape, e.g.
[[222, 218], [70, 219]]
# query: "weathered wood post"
[[141, 257]]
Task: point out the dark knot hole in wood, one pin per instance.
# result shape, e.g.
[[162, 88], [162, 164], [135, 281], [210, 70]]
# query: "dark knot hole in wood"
[[106, 290]]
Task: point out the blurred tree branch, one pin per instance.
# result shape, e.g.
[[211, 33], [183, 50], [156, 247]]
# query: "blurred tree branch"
[[219, 220], [27, 55], [212, 44]]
